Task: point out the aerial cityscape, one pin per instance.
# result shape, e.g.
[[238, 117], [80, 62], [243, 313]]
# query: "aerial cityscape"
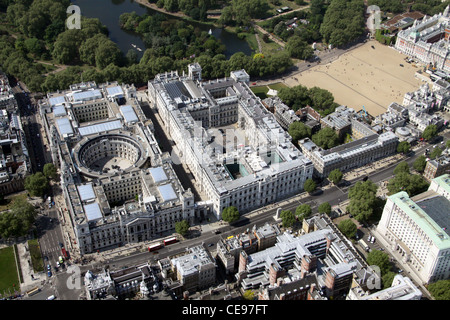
[[241, 151]]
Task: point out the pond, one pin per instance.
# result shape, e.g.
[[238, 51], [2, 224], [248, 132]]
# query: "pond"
[[109, 11]]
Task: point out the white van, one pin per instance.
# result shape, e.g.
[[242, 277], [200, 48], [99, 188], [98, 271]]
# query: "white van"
[[52, 297]]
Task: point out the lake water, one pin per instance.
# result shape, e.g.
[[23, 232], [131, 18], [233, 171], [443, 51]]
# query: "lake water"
[[109, 11]]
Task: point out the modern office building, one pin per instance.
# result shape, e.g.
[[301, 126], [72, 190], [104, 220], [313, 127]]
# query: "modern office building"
[[239, 155], [118, 186], [418, 229]]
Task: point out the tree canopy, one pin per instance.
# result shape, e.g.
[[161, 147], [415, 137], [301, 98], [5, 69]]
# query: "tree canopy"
[[335, 176], [303, 211], [288, 218], [326, 138], [49, 171], [36, 184], [348, 228], [18, 221], [182, 227], [362, 200], [440, 289], [298, 130], [324, 207], [230, 214], [309, 185], [380, 259], [343, 21], [420, 163], [412, 184], [403, 147], [430, 132]]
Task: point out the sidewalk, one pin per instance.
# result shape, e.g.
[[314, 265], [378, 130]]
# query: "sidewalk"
[[30, 279]]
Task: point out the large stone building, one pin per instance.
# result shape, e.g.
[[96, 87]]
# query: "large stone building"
[[428, 41], [418, 228], [233, 146], [354, 154], [118, 186], [14, 158]]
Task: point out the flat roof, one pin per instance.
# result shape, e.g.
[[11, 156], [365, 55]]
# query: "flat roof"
[[158, 174], [100, 127], [128, 113], [438, 209], [92, 211], [87, 95], [54, 101], [86, 192], [167, 193], [59, 110], [64, 126], [114, 91]]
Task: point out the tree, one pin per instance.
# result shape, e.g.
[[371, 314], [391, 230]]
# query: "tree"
[[248, 295], [18, 221], [36, 184], [380, 259], [288, 218], [403, 147], [343, 21], [412, 184], [50, 171], [324, 207], [182, 227], [303, 211], [309, 185], [326, 138], [435, 153], [420, 163], [387, 279], [298, 130], [430, 132], [298, 48], [440, 289], [107, 53], [335, 176], [348, 228], [230, 214], [362, 200], [401, 167]]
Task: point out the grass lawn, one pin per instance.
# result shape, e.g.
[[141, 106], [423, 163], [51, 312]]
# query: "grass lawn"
[[277, 86], [261, 91], [8, 201], [36, 257], [9, 280]]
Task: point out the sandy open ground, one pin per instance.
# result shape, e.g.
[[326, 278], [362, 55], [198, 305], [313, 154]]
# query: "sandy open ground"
[[364, 76]]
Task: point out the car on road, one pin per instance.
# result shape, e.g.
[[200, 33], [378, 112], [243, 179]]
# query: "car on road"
[[49, 267], [49, 273], [210, 245]]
